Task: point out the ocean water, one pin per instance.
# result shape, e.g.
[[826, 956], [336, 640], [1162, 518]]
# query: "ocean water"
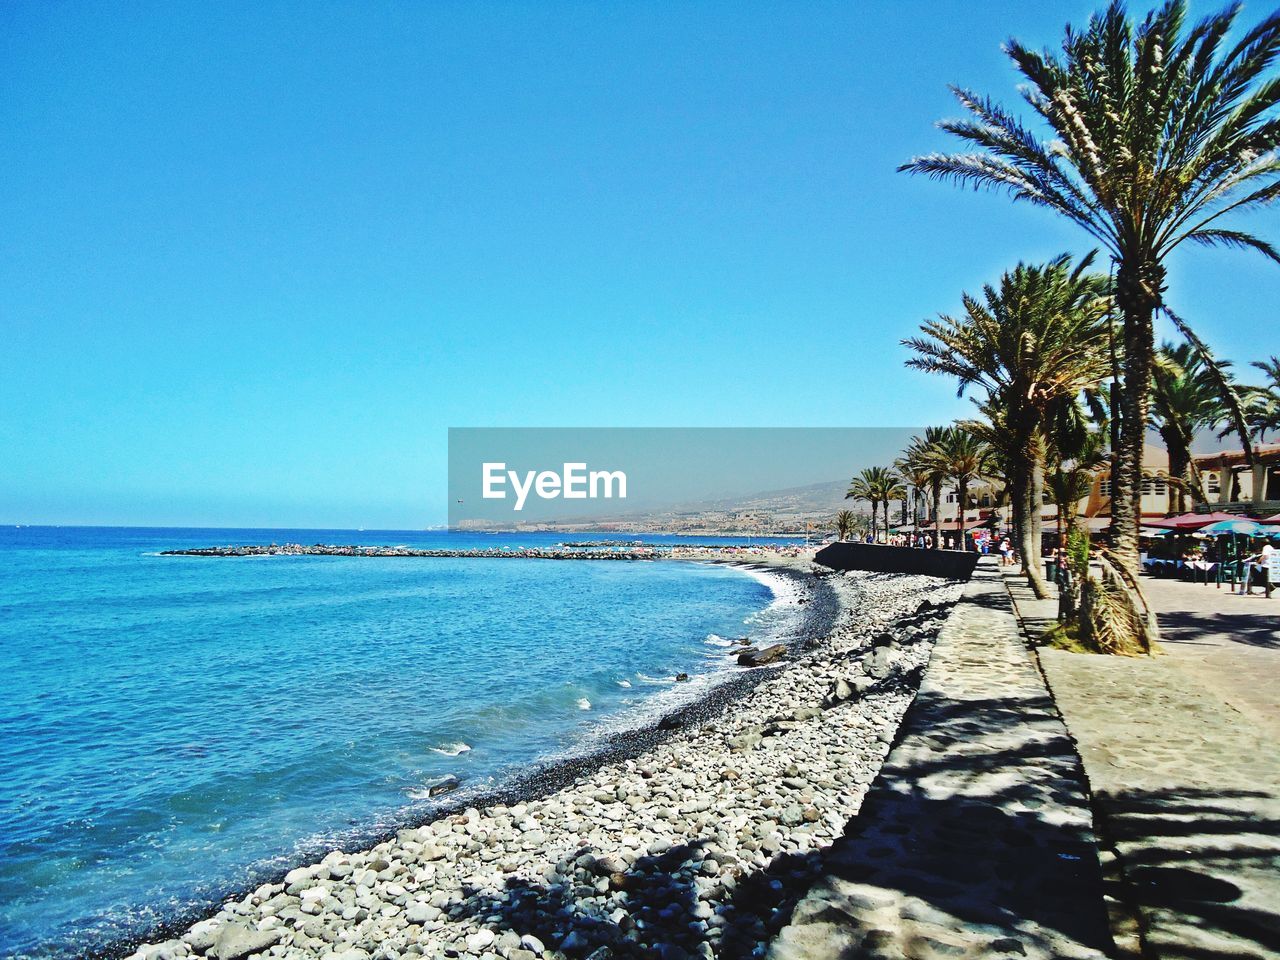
[[173, 729]]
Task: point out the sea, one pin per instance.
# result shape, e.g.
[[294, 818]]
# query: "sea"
[[174, 730]]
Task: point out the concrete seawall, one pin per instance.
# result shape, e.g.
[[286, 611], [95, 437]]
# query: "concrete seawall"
[[954, 564]]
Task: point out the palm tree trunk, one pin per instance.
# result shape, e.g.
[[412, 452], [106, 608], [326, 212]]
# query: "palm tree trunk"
[[1139, 285], [1179, 469], [1018, 500], [937, 515], [1026, 483], [962, 495], [1035, 527]]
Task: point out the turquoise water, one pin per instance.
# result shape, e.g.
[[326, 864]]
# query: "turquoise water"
[[174, 728]]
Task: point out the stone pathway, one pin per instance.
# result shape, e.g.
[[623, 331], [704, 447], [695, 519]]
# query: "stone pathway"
[[1181, 754], [1034, 616], [976, 839]]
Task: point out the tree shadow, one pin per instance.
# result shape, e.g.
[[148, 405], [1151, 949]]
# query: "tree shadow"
[[1201, 859], [977, 822], [988, 861], [659, 909], [1261, 629]]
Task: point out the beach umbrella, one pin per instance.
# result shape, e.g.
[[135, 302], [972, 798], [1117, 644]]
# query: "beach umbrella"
[[1154, 532]]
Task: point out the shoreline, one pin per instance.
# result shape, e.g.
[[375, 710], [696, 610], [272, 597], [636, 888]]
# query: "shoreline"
[[537, 797], [546, 775]]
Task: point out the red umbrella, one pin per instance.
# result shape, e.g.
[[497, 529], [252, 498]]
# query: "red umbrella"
[[1190, 521], [1274, 518]]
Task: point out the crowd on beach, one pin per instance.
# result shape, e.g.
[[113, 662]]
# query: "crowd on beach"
[[981, 541], [744, 551]]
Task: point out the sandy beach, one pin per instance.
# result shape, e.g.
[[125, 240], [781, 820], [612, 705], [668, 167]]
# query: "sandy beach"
[[688, 839]]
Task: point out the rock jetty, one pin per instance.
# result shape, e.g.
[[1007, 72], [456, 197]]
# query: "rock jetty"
[[350, 550], [697, 848]]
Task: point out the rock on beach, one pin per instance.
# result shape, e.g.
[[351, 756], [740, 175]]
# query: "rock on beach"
[[760, 658]]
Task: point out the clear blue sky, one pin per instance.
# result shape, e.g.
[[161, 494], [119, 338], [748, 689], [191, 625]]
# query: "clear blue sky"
[[255, 258]]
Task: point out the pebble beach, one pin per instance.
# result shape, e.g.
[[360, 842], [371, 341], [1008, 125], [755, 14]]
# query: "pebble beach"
[[695, 846]]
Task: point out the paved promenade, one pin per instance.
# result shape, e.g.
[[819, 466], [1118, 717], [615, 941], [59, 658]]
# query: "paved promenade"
[[1182, 755], [976, 839], [1230, 643]]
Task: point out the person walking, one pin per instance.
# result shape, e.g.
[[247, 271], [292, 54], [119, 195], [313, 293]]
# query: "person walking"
[[1258, 569]]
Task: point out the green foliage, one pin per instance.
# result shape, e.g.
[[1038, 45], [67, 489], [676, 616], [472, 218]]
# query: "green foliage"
[[1078, 552], [924, 464], [1156, 131], [1145, 134], [1065, 636], [1038, 336], [877, 485], [1264, 409], [1229, 399], [967, 458]]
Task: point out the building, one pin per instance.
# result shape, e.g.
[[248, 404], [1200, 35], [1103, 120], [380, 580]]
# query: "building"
[[1228, 483], [1233, 486], [985, 500]]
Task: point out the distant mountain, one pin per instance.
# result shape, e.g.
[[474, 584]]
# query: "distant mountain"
[[820, 498], [793, 509]]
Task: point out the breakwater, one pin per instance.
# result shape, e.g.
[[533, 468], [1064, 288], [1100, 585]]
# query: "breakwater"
[[351, 550]]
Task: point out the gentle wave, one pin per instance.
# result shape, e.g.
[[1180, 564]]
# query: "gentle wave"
[[452, 749]]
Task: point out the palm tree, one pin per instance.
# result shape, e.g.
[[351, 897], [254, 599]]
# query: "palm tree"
[[923, 459], [968, 459], [876, 485], [861, 488], [1033, 343], [1004, 452], [1185, 399], [845, 521], [1074, 457], [1156, 132], [888, 486], [916, 479]]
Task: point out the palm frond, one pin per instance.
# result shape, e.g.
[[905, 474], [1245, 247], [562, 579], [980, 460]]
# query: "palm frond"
[[1223, 382]]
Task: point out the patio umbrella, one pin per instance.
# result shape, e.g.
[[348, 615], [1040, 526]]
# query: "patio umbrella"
[[1237, 525], [1191, 521], [1273, 519]]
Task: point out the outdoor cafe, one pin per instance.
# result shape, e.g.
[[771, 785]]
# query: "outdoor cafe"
[[1217, 548]]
